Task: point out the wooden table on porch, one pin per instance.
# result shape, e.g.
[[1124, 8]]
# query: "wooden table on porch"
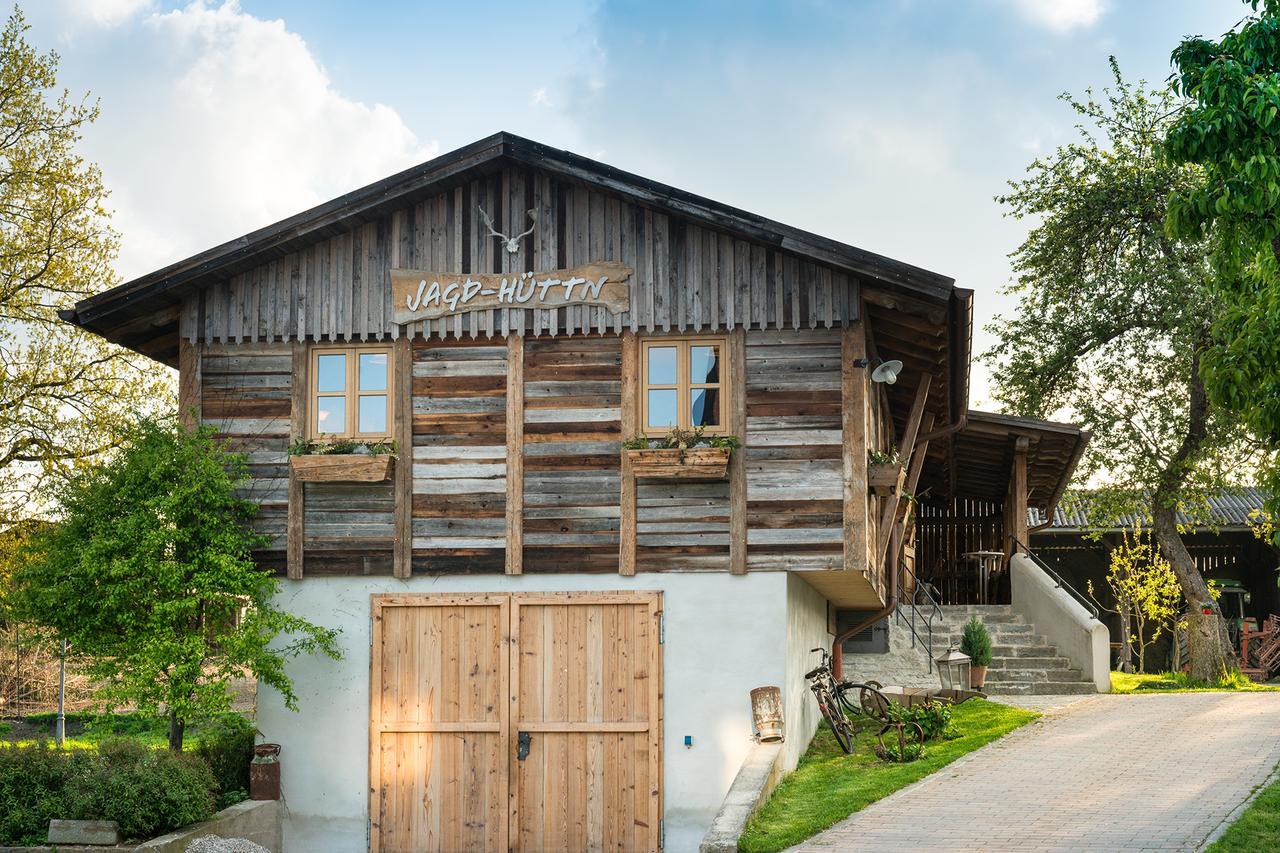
[[988, 563]]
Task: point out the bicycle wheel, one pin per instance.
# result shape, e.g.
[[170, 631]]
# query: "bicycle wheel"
[[836, 721]]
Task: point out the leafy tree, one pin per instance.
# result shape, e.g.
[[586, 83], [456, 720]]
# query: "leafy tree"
[[1146, 595], [64, 393], [1113, 316], [1231, 130], [149, 574]]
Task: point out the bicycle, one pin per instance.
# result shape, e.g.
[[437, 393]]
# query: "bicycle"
[[835, 705]]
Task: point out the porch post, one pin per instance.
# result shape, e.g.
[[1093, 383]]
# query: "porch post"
[[1016, 502], [853, 410]]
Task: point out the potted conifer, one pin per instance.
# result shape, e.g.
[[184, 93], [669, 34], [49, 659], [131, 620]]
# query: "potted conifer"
[[976, 643]]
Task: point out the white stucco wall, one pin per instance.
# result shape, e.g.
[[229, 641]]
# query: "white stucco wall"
[[725, 634], [806, 629], [1060, 618]]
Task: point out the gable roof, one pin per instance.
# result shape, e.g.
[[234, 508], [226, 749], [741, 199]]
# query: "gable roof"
[[146, 307]]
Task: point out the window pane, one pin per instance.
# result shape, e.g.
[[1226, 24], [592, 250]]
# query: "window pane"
[[331, 372], [662, 366], [331, 415], [662, 408], [704, 406], [373, 414], [704, 365], [373, 371]]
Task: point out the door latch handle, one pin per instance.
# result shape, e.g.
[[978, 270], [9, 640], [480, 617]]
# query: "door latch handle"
[[522, 745]]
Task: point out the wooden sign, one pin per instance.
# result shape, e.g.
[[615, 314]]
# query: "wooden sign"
[[420, 295]]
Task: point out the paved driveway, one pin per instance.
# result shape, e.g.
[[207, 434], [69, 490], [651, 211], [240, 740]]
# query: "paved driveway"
[[1109, 773]]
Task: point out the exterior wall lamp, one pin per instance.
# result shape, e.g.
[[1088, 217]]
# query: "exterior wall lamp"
[[885, 371]]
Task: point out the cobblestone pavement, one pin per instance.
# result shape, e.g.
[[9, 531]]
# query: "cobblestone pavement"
[[1109, 774]]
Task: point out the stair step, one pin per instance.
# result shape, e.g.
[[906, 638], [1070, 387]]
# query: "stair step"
[[1017, 676], [999, 640], [1042, 688], [1023, 650], [1029, 662]]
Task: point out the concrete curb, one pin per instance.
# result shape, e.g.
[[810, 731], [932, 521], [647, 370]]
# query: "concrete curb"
[[755, 781], [259, 821], [1234, 815]]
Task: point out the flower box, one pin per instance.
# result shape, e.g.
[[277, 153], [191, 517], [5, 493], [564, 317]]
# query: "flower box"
[[695, 463], [342, 467], [886, 478]]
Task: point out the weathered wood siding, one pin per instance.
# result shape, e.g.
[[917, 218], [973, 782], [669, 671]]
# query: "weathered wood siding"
[[572, 464], [687, 277], [572, 458], [245, 398], [459, 456], [793, 451]]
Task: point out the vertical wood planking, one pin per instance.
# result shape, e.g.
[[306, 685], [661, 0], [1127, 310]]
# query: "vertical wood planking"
[[853, 396], [630, 427], [687, 276], [515, 455], [402, 554], [189, 393], [737, 462], [297, 490]]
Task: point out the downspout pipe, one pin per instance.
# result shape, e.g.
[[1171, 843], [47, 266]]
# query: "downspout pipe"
[[944, 431], [891, 599], [891, 604]]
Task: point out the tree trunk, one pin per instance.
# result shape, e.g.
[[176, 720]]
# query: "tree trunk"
[[1126, 640], [176, 729], [1209, 646]]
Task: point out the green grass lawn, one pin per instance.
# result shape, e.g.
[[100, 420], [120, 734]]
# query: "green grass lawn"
[[86, 730], [1257, 829], [1177, 682], [829, 785]]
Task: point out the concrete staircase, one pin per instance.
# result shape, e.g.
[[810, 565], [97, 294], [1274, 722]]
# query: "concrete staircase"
[[1022, 661]]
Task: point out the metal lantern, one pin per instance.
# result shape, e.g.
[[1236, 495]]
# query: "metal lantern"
[[953, 669]]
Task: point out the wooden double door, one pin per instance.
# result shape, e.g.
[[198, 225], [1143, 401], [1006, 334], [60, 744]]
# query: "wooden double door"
[[515, 722]]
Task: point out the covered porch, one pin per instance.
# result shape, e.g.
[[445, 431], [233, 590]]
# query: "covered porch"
[[972, 506]]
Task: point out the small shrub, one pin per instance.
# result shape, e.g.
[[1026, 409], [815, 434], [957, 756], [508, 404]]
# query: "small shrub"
[[33, 783], [933, 718], [976, 642], [226, 745], [146, 791], [5, 728]]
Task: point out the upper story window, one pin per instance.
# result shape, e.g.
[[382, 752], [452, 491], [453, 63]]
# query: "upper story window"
[[351, 392], [682, 384]]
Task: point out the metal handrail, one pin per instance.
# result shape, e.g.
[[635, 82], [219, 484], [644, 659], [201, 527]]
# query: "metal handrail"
[[934, 611], [1057, 578]]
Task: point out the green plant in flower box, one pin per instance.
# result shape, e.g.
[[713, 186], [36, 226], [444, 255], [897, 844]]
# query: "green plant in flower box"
[[320, 447], [682, 439]]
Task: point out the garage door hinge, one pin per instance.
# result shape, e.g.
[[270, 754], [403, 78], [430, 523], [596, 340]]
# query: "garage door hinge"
[[368, 833], [370, 631], [662, 834], [662, 628]]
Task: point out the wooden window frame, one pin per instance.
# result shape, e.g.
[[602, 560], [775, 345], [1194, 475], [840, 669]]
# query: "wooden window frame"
[[351, 393], [683, 386]]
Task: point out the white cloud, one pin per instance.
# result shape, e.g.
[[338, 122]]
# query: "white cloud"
[[235, 125], [104, 13], [540, 98], [1061, 15]]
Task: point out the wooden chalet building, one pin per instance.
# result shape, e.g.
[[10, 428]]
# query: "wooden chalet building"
[[546, 648]]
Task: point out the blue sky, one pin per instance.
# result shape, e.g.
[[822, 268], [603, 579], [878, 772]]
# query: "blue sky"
[[889, 125]]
